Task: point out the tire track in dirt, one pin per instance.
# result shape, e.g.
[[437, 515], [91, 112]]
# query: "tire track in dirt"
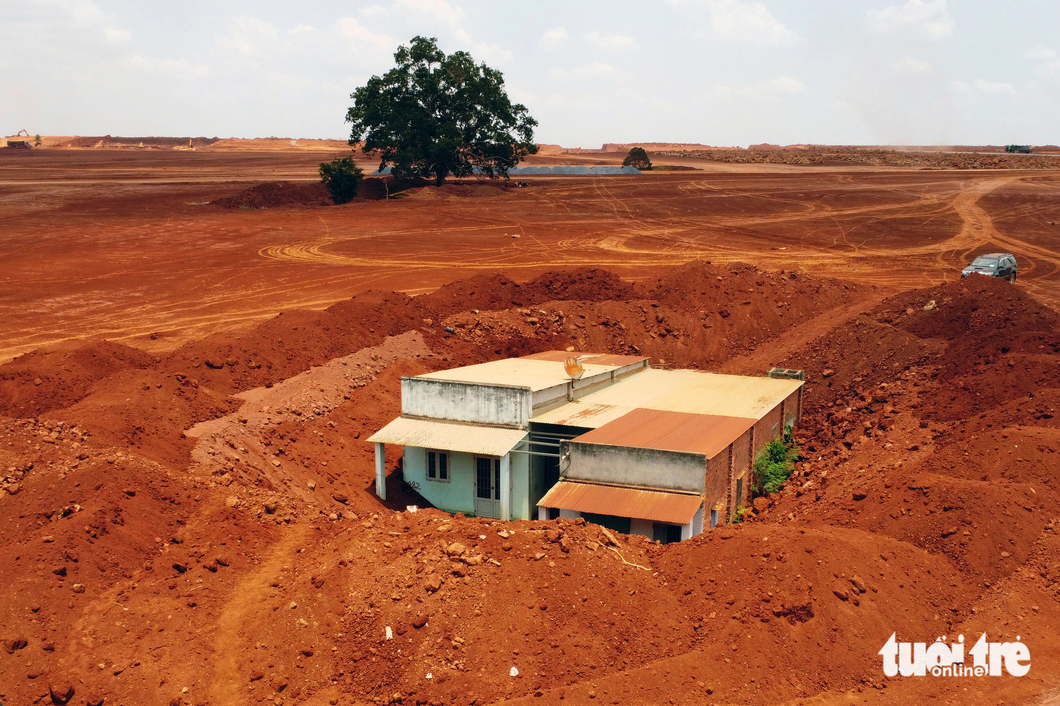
[[247, 596]]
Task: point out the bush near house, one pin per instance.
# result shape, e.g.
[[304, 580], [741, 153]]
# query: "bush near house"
[[775, 464]]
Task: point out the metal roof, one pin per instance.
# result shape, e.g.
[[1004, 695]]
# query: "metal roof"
[[618, 501], [707, 434], [449, 436], [576, 414], [534, 373], [689, 391]]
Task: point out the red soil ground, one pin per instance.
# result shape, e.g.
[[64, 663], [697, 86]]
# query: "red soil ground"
[[190, 519]]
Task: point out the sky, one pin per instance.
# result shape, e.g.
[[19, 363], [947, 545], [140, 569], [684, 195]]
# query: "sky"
[[717, 72]]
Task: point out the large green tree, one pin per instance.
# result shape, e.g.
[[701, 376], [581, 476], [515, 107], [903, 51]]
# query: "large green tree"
[[638, 158], [433, 115]]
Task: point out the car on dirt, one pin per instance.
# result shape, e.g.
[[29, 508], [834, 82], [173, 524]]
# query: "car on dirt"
[[996, 264]]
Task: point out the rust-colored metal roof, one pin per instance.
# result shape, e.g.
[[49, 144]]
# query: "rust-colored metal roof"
[[595, 358], [707, 434], [653, 505]]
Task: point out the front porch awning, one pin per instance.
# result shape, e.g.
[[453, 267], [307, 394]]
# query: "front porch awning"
[[620, 501], [449, 436]]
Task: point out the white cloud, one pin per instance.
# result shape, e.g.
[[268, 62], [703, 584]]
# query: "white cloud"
[[554, 37], [117, 34], [490, 53], [373, 11], [931, 18], [1039, 53], [959, 87], [770, 90], [994, 88], [611, 42], [785, 84], [437, 9], [913, 67], [1048, 62], [358, 33], [173, 68], [248, 35], [596, 69], [741, 21], [301, 29]]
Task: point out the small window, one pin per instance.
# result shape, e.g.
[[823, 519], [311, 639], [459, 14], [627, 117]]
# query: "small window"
[[438, 466]]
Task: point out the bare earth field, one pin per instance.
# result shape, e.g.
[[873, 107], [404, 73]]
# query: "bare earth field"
[[122, 244], [186, 499]]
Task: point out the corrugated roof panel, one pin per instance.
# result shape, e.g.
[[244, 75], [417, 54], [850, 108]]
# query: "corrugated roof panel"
[[449, 436], [520, 372], [708, 434], [691, 391], [653, 505], [577, 414]]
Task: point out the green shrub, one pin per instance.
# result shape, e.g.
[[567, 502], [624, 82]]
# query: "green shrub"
[[342, 177], [775, 464]]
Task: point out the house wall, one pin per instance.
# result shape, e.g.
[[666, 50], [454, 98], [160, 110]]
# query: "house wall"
[[456, 495], [696, 526], [465, 402], [791, 409], [645, 528], [741, 453], [768, 428], [522, 502], [717, 480], [624, 465]]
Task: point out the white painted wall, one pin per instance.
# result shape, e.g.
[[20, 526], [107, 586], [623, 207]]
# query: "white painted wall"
[[645, 528], [697, 523], [626, 465], [465, 401]]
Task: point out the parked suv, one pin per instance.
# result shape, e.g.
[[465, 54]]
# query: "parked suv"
[[995, 264]]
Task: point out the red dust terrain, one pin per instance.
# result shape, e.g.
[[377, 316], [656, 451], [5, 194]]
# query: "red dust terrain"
[[186, 496]]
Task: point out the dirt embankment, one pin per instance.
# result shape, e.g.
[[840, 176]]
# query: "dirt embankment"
[[832, 156], [248, 560]]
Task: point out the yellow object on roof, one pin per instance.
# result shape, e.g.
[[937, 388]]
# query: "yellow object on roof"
[[449, 436], [688, 391]]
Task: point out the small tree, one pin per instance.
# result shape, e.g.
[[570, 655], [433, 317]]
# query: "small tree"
[[775, 464], [637, 158], [36, 140], [342, 177]]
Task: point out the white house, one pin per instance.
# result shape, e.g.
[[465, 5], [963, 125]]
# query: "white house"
[[638, 449]]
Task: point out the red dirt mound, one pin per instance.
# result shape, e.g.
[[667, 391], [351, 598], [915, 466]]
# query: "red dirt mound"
[[278, 194], [983, 307], [920, 508], [493, 292], [57, 377]]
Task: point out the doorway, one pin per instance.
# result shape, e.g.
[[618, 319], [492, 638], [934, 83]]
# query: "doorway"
[[487, 486]]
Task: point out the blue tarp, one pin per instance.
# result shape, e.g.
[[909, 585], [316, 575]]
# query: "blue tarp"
[[538, 171]]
